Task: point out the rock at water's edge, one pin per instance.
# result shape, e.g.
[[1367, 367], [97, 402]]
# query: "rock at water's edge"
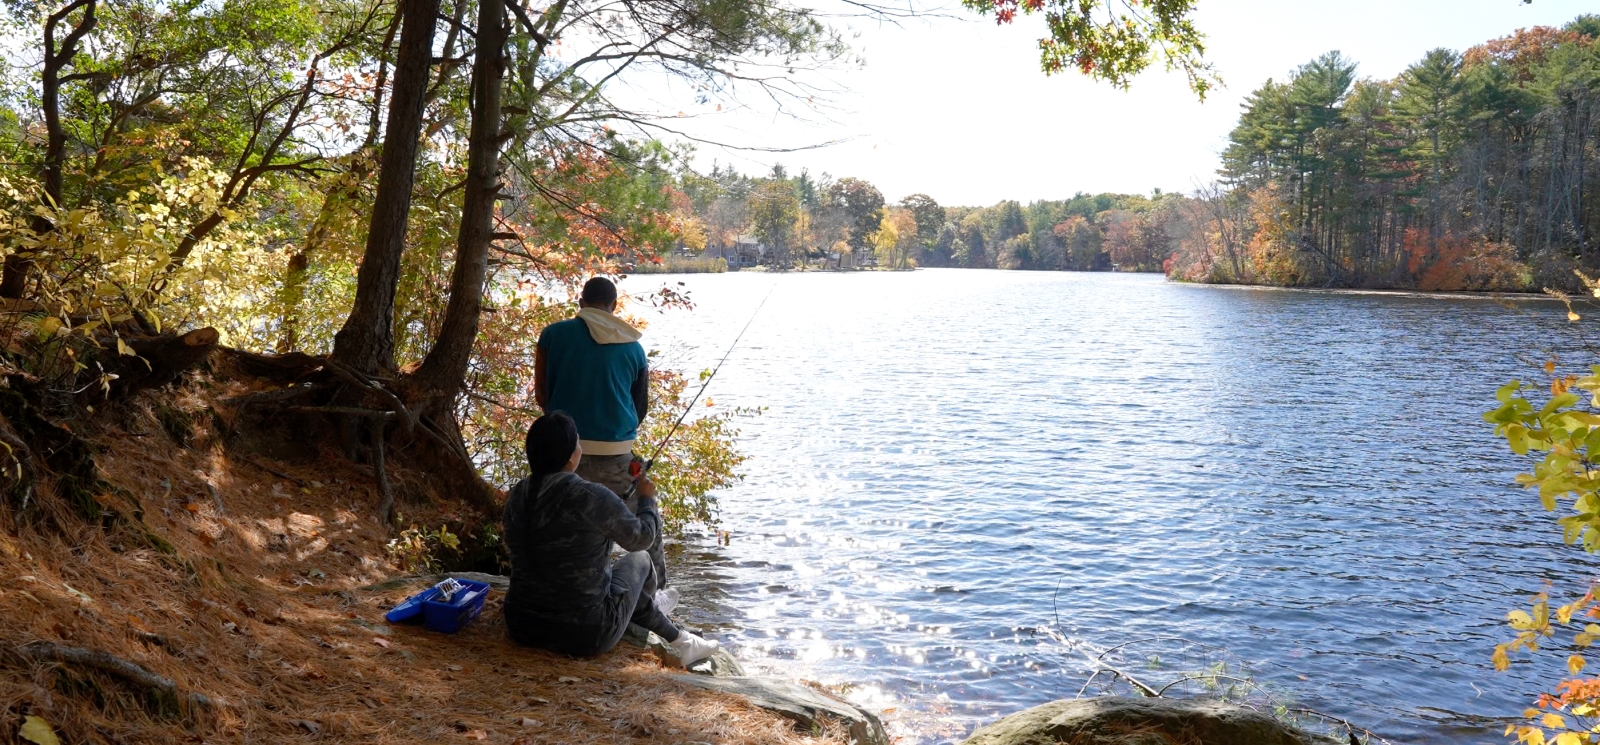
[[806, 706], [721, 664], [1119, 720], [637, 636]]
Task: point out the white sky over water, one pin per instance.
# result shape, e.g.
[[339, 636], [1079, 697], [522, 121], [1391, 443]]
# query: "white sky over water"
[[957, 108]]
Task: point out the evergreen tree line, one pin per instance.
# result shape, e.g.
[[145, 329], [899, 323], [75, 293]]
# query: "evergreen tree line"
[[1470, 170]]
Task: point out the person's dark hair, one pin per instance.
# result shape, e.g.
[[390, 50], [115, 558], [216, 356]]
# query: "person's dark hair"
[[551, 440], [599, 292]]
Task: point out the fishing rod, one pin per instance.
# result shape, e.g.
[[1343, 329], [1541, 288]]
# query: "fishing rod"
[[651, 461]]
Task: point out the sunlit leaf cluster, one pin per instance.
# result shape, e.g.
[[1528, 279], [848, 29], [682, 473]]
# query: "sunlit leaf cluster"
[[1563, 431]]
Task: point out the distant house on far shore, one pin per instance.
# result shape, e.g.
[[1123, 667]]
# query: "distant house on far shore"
[[745, 251]]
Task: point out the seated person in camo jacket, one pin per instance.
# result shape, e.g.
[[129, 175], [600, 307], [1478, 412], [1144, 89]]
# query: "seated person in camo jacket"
[[566, 595]]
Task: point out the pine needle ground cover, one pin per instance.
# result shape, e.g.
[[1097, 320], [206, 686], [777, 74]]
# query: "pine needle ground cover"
[[244, 587]]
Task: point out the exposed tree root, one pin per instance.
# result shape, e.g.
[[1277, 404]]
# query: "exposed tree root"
[[159, 361], [386, 506], [328, 402], [164, 697]]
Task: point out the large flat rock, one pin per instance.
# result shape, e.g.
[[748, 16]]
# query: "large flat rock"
[[807, 707], [1120, 720]]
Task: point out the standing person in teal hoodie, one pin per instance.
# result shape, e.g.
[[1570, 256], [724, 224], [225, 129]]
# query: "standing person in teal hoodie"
[[593, 368]]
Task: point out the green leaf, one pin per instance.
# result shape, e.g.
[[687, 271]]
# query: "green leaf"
[[1517, 438], [1503, 394]]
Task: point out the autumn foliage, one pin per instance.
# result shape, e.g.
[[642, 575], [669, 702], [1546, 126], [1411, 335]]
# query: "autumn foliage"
[[1451, 262]]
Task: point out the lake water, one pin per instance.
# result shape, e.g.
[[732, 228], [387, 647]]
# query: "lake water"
[[952, 460]]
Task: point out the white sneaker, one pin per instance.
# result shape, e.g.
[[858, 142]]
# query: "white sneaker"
[[667, 599], [691, 648]]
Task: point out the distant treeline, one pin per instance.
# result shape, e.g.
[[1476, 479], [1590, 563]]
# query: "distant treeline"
[[802, 219], [1472, 170]]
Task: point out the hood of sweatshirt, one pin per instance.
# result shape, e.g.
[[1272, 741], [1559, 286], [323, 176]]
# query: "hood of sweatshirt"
[[606, 328]]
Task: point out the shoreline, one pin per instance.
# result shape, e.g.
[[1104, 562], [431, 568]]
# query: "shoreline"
[[1393, 292]]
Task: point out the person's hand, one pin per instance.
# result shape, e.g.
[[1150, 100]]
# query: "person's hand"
[[646, 487]]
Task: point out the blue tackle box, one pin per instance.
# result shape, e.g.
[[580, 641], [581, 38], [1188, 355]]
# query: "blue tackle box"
[[439, 615]]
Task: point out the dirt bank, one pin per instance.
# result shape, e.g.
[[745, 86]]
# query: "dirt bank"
[[242, 585]]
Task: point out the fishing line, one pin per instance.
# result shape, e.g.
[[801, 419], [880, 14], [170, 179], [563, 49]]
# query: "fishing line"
[[651, 461]]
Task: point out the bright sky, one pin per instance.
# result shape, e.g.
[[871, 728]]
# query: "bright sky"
[[957, 108]]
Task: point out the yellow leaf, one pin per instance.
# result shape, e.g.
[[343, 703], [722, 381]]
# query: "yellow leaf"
[[36, 730], [123, 349], [1501, 661], [1573, 317], [1575, 664], [1520, 620], [1569, 738], [1553, 721], [1549, 367]]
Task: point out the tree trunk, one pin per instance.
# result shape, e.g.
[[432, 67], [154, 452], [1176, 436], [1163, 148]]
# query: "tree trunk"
[[14, 277], [366, 342], [444, 369], [336, 200]]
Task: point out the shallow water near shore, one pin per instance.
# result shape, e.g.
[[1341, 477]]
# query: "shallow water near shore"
[[950, 460]]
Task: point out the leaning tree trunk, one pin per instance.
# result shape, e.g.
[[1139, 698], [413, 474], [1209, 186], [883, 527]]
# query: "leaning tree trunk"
[[444, 369], [366, 342], [14, 278]]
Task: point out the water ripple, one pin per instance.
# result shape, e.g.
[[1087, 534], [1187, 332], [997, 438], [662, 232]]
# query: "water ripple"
[[1301, 478]]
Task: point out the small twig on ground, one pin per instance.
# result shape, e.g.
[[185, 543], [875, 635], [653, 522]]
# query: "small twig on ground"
[[271, 470], [215, 497]]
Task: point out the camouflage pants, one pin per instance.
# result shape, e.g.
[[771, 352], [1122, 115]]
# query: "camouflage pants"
[[611, 471]]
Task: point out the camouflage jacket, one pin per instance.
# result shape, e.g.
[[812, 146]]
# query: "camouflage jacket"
[[560, 540]]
